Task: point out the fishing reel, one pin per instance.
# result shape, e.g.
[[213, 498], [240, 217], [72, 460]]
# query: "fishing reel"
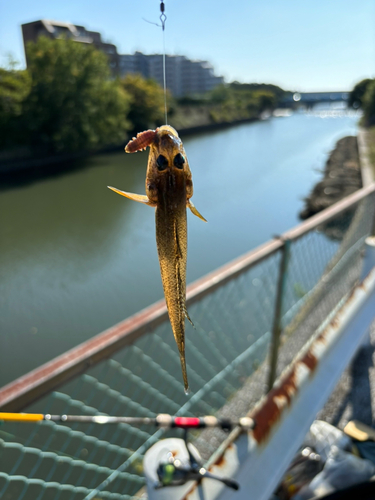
[[180, 463]]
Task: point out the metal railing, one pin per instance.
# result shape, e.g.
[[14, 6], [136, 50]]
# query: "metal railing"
[[252, 316]]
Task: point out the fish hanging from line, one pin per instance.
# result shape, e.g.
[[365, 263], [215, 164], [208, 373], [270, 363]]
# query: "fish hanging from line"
[[169, 189]]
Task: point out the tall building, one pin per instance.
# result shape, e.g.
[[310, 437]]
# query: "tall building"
[[56, 29], [183, 76]]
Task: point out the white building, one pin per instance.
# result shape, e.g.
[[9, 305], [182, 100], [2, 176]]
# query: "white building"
[[183, 76]]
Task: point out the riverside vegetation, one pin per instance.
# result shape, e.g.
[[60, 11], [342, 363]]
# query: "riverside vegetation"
[[363, 97], [66, 102]]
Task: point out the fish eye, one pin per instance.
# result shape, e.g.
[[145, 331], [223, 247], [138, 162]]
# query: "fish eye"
[[179, 161], [161, 162]]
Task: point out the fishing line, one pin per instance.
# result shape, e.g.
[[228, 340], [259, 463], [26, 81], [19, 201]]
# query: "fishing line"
[[163, 18]]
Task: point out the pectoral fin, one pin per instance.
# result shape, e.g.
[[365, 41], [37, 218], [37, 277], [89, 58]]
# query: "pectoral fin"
[[194, 210], [132, 196]]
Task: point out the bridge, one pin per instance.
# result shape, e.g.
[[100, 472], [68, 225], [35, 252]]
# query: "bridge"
[[312, 98]]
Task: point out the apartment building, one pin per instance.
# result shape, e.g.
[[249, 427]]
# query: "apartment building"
[[56, 29], [183, 76]]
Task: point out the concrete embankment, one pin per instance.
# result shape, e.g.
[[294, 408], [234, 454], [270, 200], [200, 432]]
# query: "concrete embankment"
[[342, 177], [23, 162]]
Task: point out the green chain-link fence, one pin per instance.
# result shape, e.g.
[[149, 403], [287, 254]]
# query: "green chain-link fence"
[[227, 364]]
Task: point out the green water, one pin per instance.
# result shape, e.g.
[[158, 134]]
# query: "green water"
[[75, 258]]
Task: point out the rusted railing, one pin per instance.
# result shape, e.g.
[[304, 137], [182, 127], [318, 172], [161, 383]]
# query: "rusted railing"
[[263, 306], [28, 388]]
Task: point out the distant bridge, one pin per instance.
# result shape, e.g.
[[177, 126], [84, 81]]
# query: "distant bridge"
[[312, 98]]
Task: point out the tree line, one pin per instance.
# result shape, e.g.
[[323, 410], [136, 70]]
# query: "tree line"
[[363, 97], [66, 101]]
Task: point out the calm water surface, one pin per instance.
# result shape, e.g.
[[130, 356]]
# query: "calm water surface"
[[77, 258]]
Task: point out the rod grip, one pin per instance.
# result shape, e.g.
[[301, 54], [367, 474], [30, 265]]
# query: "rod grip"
[[21, 417]]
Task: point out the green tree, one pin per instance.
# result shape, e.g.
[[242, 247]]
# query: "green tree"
[[278, 92], [356, 96], [241, 101], [147, 102], [368, 104], [219, 94], [73, 105], [265, 99], [14, 87]]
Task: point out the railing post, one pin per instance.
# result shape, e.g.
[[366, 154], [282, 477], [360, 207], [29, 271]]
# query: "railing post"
[[276, 328]]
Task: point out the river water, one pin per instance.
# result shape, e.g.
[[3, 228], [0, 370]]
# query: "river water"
[[77, 258]]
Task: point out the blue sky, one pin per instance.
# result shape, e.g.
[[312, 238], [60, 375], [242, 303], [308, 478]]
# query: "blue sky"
[[297, 44]]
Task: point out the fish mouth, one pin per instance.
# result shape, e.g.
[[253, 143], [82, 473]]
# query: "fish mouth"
[[167, 129], [168, 136], [168, 140]]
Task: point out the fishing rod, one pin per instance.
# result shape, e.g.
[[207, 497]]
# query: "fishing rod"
[[170, 471], [163, 420]]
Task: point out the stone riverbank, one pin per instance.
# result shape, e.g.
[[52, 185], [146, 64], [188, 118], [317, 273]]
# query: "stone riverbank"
[[342, 177]]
